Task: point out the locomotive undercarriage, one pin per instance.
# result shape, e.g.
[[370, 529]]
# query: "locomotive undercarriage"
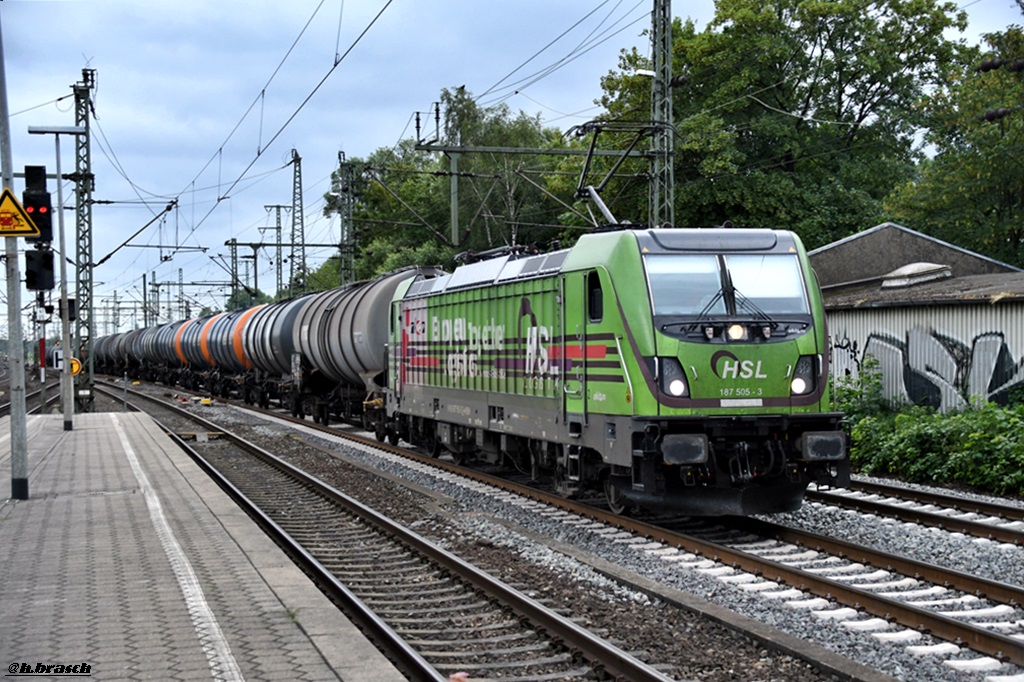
[[734, 465], [745, 466], [702, 466]]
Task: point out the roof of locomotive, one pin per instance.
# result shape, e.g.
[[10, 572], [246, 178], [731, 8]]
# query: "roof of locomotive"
[[511, 267], [715, 239], [494, 271]]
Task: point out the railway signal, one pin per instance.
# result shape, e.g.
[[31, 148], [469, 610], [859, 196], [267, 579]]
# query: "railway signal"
[[38, 208], [37, 203], [39, 269]]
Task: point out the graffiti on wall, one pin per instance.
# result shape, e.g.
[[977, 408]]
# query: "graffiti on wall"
[[932, 369]]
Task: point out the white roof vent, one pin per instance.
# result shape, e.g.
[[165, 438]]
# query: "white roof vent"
[[915, 273]]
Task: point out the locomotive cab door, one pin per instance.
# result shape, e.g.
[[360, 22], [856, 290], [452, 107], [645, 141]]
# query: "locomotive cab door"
[[582, 300]]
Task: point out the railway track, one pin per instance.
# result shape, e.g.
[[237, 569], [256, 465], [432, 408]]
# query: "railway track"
[[842, 581], [33, 399], [918, 597], [892, 598], [437, 613], [993, 521]]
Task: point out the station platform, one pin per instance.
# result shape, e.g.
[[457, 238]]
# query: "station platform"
[[128, 563]]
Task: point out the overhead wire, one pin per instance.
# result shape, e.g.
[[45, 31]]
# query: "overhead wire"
[[338, 58], [337, 61], [589, 43], [585, 45], [494, 89]]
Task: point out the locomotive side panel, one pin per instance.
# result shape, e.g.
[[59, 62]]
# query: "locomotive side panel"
[[481, 358]]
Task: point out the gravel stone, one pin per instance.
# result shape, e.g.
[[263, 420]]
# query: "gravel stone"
[[516, 543]]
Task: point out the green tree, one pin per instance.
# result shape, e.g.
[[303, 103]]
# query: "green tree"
[[400, 198], [499, 205], [795, 114], [402, 209], [245, 298], [971, 192]]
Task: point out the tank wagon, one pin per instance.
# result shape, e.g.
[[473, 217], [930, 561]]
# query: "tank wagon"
[[677, 367]]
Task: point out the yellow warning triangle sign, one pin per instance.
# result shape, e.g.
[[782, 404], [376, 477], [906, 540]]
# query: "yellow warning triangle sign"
[[14, 222]]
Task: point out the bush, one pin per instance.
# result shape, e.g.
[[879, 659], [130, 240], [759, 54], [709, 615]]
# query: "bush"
[[861, 396], [981, 446]]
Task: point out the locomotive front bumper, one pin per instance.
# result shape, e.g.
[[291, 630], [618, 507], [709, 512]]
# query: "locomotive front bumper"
[[685, 448], [818, 446], [814, 446]]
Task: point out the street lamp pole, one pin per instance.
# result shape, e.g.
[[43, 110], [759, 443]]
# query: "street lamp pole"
[[66, 384]]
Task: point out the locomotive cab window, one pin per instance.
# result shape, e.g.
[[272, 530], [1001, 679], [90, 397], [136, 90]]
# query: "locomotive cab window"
[[595, 298], [693, 285], [771, 282], [685, 285]]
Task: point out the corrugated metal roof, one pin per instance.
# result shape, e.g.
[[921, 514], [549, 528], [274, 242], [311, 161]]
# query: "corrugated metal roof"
[[973, 289]]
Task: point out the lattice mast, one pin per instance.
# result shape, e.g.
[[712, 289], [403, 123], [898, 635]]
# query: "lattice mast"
[[662, 192], [84, 182]]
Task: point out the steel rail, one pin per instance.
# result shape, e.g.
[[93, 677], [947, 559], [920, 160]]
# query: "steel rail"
[[404, 656], [925, 518], [608, 658], [5, 408], [983, 587], [977, 638], [943, 499]]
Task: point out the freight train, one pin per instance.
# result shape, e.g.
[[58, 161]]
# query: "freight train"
[[671, 367]]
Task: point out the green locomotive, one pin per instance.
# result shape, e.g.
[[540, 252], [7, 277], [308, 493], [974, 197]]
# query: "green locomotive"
[[683, 368]]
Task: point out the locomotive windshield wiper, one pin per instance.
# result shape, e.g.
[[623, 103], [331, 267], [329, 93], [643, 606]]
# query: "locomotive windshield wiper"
[[704, 314], [744, 302]]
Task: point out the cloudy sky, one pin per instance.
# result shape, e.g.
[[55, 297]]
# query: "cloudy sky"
[[197, 101]]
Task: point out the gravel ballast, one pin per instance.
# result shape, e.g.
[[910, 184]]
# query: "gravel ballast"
[[530, 550]]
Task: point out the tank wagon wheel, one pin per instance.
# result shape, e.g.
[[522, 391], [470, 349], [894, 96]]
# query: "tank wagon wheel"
[[436, 448], [617, 502], [380, 434], [392, 437]]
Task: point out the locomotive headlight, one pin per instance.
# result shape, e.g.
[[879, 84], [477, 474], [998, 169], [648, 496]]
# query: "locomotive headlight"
[[736, 332], [673, 379], [803, 381]]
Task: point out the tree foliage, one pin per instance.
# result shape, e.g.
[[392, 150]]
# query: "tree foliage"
[[971, 192], [796, 114], [246, 298], [403, 194]]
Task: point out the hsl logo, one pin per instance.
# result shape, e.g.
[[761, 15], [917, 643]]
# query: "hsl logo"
[[733, 368]]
